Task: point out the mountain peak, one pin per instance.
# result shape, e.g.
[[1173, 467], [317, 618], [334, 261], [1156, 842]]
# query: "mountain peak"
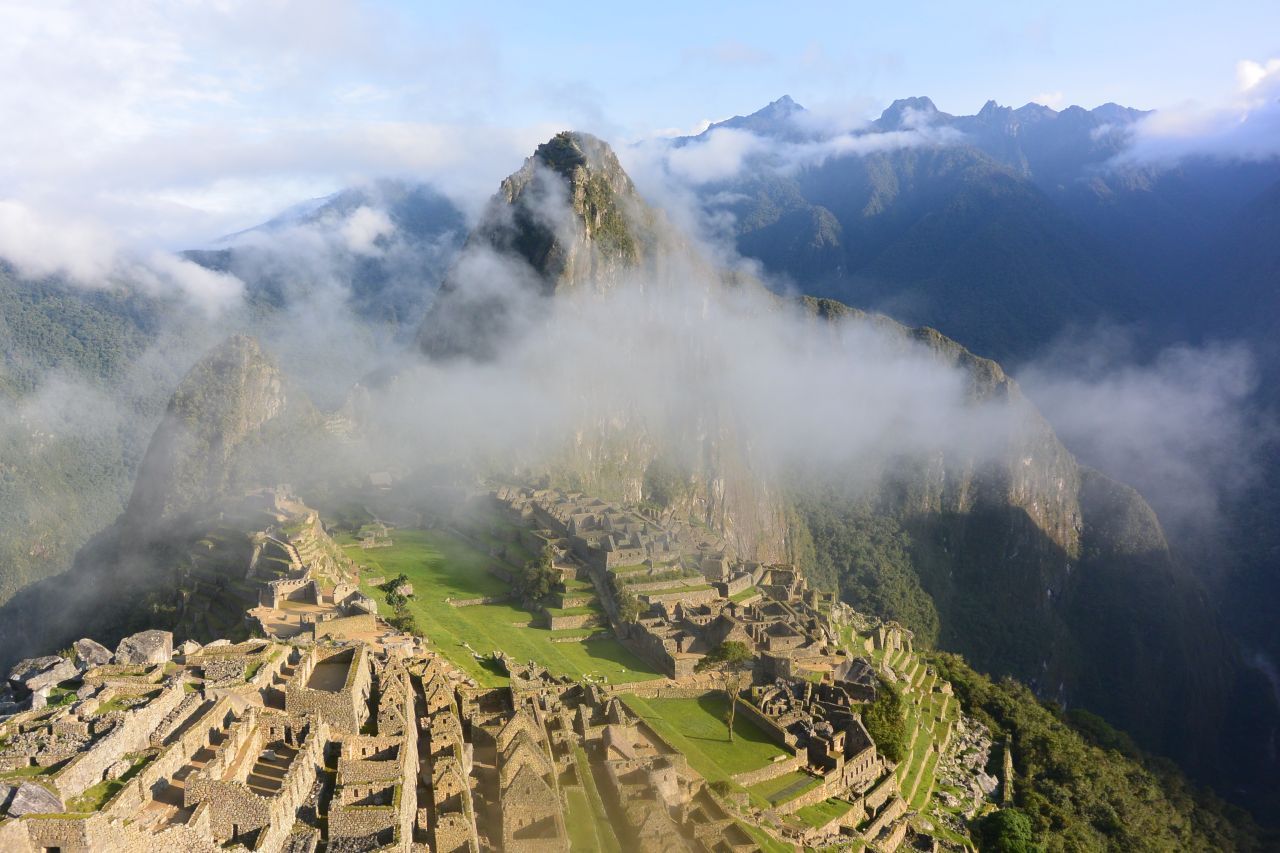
[[905, 111], [571, 214], [773, 119], [782, 106], [223, 407], [570, 150]]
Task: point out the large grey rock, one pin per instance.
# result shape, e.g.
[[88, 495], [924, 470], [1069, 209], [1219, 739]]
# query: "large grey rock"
[[145, 647], [92, 653], [6, 791], [35, 673], [31, 798], [116, 770], [190, 647]]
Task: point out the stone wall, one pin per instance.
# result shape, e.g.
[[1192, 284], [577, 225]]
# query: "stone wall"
[[472, 602], [778, 735], [237, 809], [170, 760], [346, 627], [824, 791], [87, 768], [345, 708], [697, 596], [770, 771], [579, 620]]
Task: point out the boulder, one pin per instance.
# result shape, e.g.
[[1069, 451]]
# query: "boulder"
[[34, 673], [145, 647], [86, 690], [190, 647], [91, 653], [405, 589], [32, 798], [116, 770], [6, 791], [217, 644]]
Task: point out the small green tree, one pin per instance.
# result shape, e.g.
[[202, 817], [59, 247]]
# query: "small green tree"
[[731, 661], [1006, 831], [629, 606], [886, 721], [539, 577]]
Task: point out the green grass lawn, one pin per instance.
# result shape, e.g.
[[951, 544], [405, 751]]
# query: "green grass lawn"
[[767, 842], [670, 589], [697, 728], [440, 566], [589, 827], [821, 814], [783, 789]]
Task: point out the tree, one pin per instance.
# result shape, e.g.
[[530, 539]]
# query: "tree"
[[731, 661], [629, 606], [539, 577], [1006, 831], [886, 722]]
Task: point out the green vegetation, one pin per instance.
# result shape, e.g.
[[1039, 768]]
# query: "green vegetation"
[[664, 483], [731, 662], [886, 722], [867, 557], [629, 606], [539, 577], [699, 729], [1006, 831], [1079, 796], [784, 788], [590, 829], [441, 566], [821, 814]]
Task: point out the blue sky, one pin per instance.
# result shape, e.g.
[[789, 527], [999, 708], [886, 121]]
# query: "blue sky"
[[163, 123], [644, 66]]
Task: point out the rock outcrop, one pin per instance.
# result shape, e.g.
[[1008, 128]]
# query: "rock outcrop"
[[91, 653], [31, 798], [228, 426], [40, 673], [146, 647]]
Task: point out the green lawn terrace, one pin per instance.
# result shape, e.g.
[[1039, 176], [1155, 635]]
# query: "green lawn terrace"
[[447, 572], [697, 728]]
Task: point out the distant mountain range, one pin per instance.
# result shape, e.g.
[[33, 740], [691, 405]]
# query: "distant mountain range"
[[1000, 230], [1023, 222]]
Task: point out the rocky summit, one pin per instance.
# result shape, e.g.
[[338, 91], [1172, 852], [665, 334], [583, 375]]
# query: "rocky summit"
[[761, 518]]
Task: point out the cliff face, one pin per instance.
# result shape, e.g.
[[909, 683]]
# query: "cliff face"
[[226, 428], [569, 224], [1036, 566], [1028, 469], [608, 229]]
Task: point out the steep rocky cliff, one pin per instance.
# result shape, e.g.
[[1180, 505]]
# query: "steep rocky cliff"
[[1037, 567], [231, 424]]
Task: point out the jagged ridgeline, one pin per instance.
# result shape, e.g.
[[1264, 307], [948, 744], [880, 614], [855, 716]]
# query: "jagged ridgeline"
[[1018, 557]]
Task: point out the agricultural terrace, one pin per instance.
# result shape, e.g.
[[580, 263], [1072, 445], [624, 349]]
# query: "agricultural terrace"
[[442, 566], [698, 728]]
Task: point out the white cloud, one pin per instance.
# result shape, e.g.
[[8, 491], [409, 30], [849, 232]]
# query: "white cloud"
[[1244, 125], [39, 245], [1052, 100], [364, 227], [724, 152], [163, 273], [719, 156]]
